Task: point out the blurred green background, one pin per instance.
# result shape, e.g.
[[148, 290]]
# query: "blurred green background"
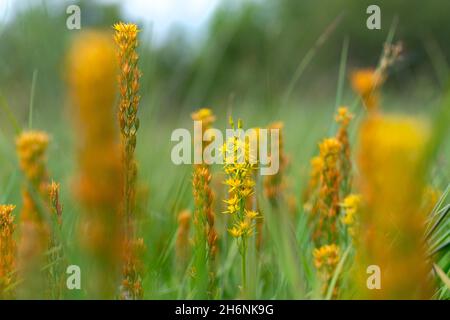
[[249, 50]]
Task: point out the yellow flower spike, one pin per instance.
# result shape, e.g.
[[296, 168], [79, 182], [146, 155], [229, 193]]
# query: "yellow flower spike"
[[92, 70], [205, 233], [326, 259], [8, 249], [35, 236], [329, 150], [343, 117], [391, 155], [240, 189], [327, 206], [31, 148]]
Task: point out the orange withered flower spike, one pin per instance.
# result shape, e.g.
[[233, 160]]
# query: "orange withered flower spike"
[[126, 40], [343, 118], [328, 193], [92, 70], [7, 251], [204, 216], [310, 193], [132, 270], [55, 201]]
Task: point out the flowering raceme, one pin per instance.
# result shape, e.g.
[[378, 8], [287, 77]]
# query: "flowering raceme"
[[35, 230], [328, 197], [239, 168], [7, 251], [93, 69], [326, 259], [343, 118], [390, 159], [204, 217], [126, 39]]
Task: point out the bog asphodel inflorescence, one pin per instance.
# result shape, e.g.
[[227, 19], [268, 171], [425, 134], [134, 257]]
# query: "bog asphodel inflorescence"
[[35, 228], [239, 169], [326, 259], [204, 217], [391, 151], [330, 181], [93, 73], [8, 249], [126, 39], [343, 117]]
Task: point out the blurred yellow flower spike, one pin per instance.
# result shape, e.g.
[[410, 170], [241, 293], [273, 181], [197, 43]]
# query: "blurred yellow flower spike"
[[391, 154]]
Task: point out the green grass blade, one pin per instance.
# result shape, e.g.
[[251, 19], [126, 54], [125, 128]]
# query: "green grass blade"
[[31, 106], [336, 274], [445, 279]]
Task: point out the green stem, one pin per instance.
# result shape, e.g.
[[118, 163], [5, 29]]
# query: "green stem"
[[244, 265]]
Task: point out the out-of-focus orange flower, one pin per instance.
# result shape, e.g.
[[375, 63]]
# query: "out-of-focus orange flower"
[[326, 259], [35, 230], [366, 82], [92, 69], [7, 251], [390, 160]]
